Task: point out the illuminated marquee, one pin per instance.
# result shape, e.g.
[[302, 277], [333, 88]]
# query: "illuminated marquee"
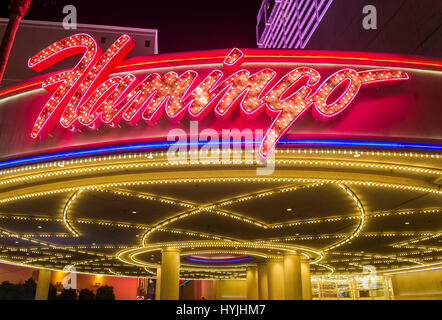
[[87, 96]]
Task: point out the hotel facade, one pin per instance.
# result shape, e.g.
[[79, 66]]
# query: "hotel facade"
[[224, 174]]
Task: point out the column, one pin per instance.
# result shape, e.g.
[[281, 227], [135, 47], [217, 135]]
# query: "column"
[[252, 282], [394, 286], [292, 276], [170, 274], [44, 280], [275, 273], [306, 280], [263, 288], [217, 289], [354, 289], [158, 284], [387, 293]]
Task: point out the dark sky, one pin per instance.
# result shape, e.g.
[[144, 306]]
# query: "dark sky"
[[182, 25]]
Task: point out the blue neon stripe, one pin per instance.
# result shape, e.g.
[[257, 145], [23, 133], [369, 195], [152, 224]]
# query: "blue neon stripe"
[[219, 261], [182, 284], [359, 143], [166, 144]]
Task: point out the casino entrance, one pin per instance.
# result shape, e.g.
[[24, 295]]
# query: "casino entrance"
[[327, 224]]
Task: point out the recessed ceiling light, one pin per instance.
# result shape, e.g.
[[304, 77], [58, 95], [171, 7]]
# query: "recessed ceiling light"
[[407, 222], [289, 209], [134, 211], [39, 227]]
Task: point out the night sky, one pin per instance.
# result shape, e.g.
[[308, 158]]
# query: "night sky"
[[184, 25]]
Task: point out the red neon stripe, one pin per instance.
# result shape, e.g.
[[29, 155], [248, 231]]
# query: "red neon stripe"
[[427, 63], [145, 63], [21, 87]]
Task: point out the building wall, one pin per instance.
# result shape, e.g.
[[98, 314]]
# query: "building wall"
[[124, 288], [403, 27], [33, 36], [208, 289], [418, 285], [187, 291], [230, 290], [16, 274], [196, 289], [288, 23]]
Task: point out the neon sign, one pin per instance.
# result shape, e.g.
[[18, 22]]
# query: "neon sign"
[[87, 96], [218, 260]]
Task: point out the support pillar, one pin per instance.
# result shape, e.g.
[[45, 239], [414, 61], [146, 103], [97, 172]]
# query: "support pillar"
[[292, 276], [252, 282], [170, 274], [354, 289], [394, 286], [306, 280], [217, 289], [44, 280], [158, 284], [320, 288], [275, 272], [263, 287], [387, 293]]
